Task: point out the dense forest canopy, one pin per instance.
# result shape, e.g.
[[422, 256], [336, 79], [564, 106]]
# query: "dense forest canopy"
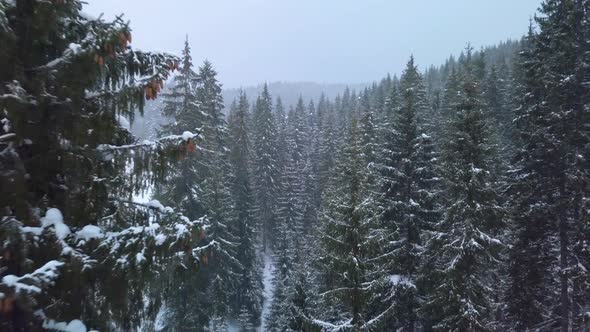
[[455, 198]]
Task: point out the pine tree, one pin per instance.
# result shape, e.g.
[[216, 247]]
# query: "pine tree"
[[311, 174], [278, 318], [181, 107], [327, 145], [200, 184], [449, 98], [408, 187], [496, 100], [290, 201], [551, 179], [347, 244], [301, 301], [281, 124], [289, 224], [464, 246], [248, 295], [299, 133], [180, 103], [75, 249], [215, 172], [264, 163], [367, 126]]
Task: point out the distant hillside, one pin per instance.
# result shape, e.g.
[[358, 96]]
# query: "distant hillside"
[[290, 91]]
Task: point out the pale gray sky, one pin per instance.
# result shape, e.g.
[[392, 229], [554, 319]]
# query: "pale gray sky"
[[330, 41]]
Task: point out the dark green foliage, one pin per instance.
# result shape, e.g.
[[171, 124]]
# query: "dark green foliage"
[[464, 246], [246, 302], [69, 169], [548, 270], [407, 191], [348, 243], [382, 210], [265, 168]]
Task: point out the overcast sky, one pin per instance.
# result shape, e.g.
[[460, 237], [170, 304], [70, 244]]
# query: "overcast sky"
[[326, 41]]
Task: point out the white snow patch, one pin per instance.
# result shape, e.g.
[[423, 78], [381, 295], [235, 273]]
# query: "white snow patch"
[[13, 281], [75, 48], [160, 322], [33, 230], [123, 122], [89, 232], [53, 217], [397, 279], [180, 230], [45, 274], [269, 288], [187, 135], [73, 326], [139, 257], [160, 239], [154, 203]]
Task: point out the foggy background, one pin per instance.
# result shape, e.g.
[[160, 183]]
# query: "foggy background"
[[327, 41]]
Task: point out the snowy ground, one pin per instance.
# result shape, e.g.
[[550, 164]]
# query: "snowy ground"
[[268, 287]]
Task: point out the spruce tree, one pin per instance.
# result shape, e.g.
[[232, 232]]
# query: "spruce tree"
[[548, 275], [464, 246], [367, 126], [76, 250], [179, 104], [496, 99], [264, 165], [327, 145], [248, 295], [346, 256], [214, 174], [408, 189]]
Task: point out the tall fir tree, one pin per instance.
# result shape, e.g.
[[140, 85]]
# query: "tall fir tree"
[[180, 107], [76, 251], [551, 178], [265, 165], [408, 191], [248, 296], [215, 172], [464, 247], [348, 245]]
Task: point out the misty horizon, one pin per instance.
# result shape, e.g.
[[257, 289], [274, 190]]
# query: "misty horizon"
[[306, 41]]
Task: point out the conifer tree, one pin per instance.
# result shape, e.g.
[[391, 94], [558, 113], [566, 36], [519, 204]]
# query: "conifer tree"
[[181, 108], [264, 163], [281, 122], [327, 145], [408, 186], [548, 271], [284, 249], [180, 103], [367, 127], [495, 97], [76, 251], [347, 243], [311, 176], [214, 174], [464, 246], [248, 295]]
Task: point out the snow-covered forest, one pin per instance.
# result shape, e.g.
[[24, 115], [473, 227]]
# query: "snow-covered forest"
[[455, 198]]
